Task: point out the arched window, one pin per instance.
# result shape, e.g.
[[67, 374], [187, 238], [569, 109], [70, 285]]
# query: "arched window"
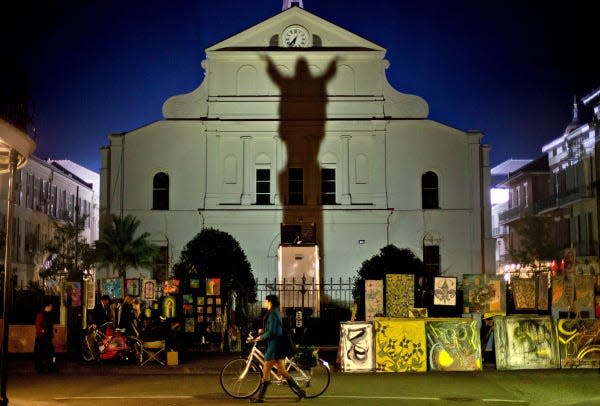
[[160, 191], [430, 191]]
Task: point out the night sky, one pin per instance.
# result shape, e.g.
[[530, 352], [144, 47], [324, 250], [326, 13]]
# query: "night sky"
[[507, 68]]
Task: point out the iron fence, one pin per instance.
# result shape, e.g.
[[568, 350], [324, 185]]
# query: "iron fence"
[[325, 299]]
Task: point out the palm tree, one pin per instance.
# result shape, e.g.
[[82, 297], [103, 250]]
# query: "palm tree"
[[119, 247]]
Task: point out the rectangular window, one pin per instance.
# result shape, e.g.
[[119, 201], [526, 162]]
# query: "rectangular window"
[[327, 186], [161, 264], [295, 186], [431, 259], [525, 194], [263, 186]]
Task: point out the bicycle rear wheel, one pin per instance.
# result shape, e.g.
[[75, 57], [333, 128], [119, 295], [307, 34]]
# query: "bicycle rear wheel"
[[313, 380], [236, 385]]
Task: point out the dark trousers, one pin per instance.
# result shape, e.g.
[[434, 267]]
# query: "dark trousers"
[[43, 353]]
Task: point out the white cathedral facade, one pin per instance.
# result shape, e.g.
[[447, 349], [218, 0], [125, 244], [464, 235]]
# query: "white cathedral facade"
[[295, 123]]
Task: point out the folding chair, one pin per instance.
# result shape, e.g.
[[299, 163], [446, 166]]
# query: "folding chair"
[[152, 351]]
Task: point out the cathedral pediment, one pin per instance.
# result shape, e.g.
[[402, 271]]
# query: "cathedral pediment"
[[296, 29]]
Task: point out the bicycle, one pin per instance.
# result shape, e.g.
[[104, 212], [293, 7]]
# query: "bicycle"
[[240, 378], [112, 343]]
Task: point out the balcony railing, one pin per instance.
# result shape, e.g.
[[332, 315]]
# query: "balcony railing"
[[499, 231], [510, 214], [563, 199]]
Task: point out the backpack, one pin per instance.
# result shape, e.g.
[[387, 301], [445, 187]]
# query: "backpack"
[[288, 346]]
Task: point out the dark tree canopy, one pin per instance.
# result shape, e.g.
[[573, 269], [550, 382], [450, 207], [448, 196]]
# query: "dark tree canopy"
[[216, 254], [390, 260]]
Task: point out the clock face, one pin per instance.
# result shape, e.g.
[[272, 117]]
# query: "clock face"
[[295, 36]]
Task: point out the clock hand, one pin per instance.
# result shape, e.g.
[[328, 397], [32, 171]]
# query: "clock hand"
[[294, 40]]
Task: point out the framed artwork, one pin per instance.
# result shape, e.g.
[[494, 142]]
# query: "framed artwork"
[[194, 283], [169, 309], [90, 293], [453, 344], [213, 286], [200, 318], [72, 293], [190, 325], [149, 289], [187, 299], [171, 287], [188, 309], [373, 299], [417, 312], [357, 346], [113, 287], [217, 301], [444, 291], [132, 287], [209, 300], [200, 300], [200, 309]]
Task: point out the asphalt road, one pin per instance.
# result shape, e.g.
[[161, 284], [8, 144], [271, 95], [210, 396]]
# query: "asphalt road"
[[488, 387]]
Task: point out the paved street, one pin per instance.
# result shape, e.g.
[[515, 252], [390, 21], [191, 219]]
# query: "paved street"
[[191, 385]]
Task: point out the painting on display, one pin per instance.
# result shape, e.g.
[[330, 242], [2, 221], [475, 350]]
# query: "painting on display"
[[525, 342], [90, 293], [213, 286], [542, 291], [169, 309], [356, 347], [579, 343], [373, 299], [194, 283], [575, 294], [484, 293], [190, 325], [72, 293], [400, 345], [524, 293], [453, 344], [399, 294], [417, 313], [170, 287], [149, 289], [132, 287], [113, 287], [444, 291]]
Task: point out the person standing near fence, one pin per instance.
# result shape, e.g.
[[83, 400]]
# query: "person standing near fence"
[[274, 357], [44, 356]]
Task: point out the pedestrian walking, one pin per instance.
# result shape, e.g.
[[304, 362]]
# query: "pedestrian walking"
[[45, 360]]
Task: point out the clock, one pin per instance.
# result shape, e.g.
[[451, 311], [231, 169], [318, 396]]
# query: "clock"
[[295, 36]]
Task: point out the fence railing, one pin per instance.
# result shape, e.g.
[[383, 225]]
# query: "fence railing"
[[319, 296]]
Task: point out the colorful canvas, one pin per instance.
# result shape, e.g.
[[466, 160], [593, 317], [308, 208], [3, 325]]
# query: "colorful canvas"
[[524, 293], [169, 307], [194, 283], [149, 289], [575, 294], [579, 343], [542, 291], [213, 286], [113, 287], [190, 325], [400, 345], [399, 294], [484, 293], [170, 287], [187, 298], [356, 347], [453, 344], [417, 313], [132, 287], [525, 342], [373, 299], [72, 293], [90, 293], [444, 291]]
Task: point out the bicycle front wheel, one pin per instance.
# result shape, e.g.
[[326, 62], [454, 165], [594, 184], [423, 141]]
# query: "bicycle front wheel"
[[313, 380], [237, 384]]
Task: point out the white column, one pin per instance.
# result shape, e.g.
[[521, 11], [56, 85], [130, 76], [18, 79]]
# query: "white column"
[[345, 197], [246, 172], [278, 168]]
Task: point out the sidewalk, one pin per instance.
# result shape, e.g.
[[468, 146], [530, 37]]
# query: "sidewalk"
[[189, 363]]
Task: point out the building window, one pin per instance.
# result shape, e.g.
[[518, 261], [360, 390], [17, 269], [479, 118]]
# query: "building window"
[[525, 194], [431, 259], [160, 191], [160, 267], [295, 186], [429, 191], [328, 186], [263, 186]]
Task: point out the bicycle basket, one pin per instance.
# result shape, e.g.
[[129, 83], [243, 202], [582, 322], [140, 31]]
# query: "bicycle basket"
[[307, 357]]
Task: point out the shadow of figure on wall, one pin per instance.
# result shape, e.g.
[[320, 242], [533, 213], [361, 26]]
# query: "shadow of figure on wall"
[[302, 118]]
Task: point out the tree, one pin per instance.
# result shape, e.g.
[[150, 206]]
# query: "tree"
[[390, 260], [68, 250], [536, 242], [216, 254], [118, 246]]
